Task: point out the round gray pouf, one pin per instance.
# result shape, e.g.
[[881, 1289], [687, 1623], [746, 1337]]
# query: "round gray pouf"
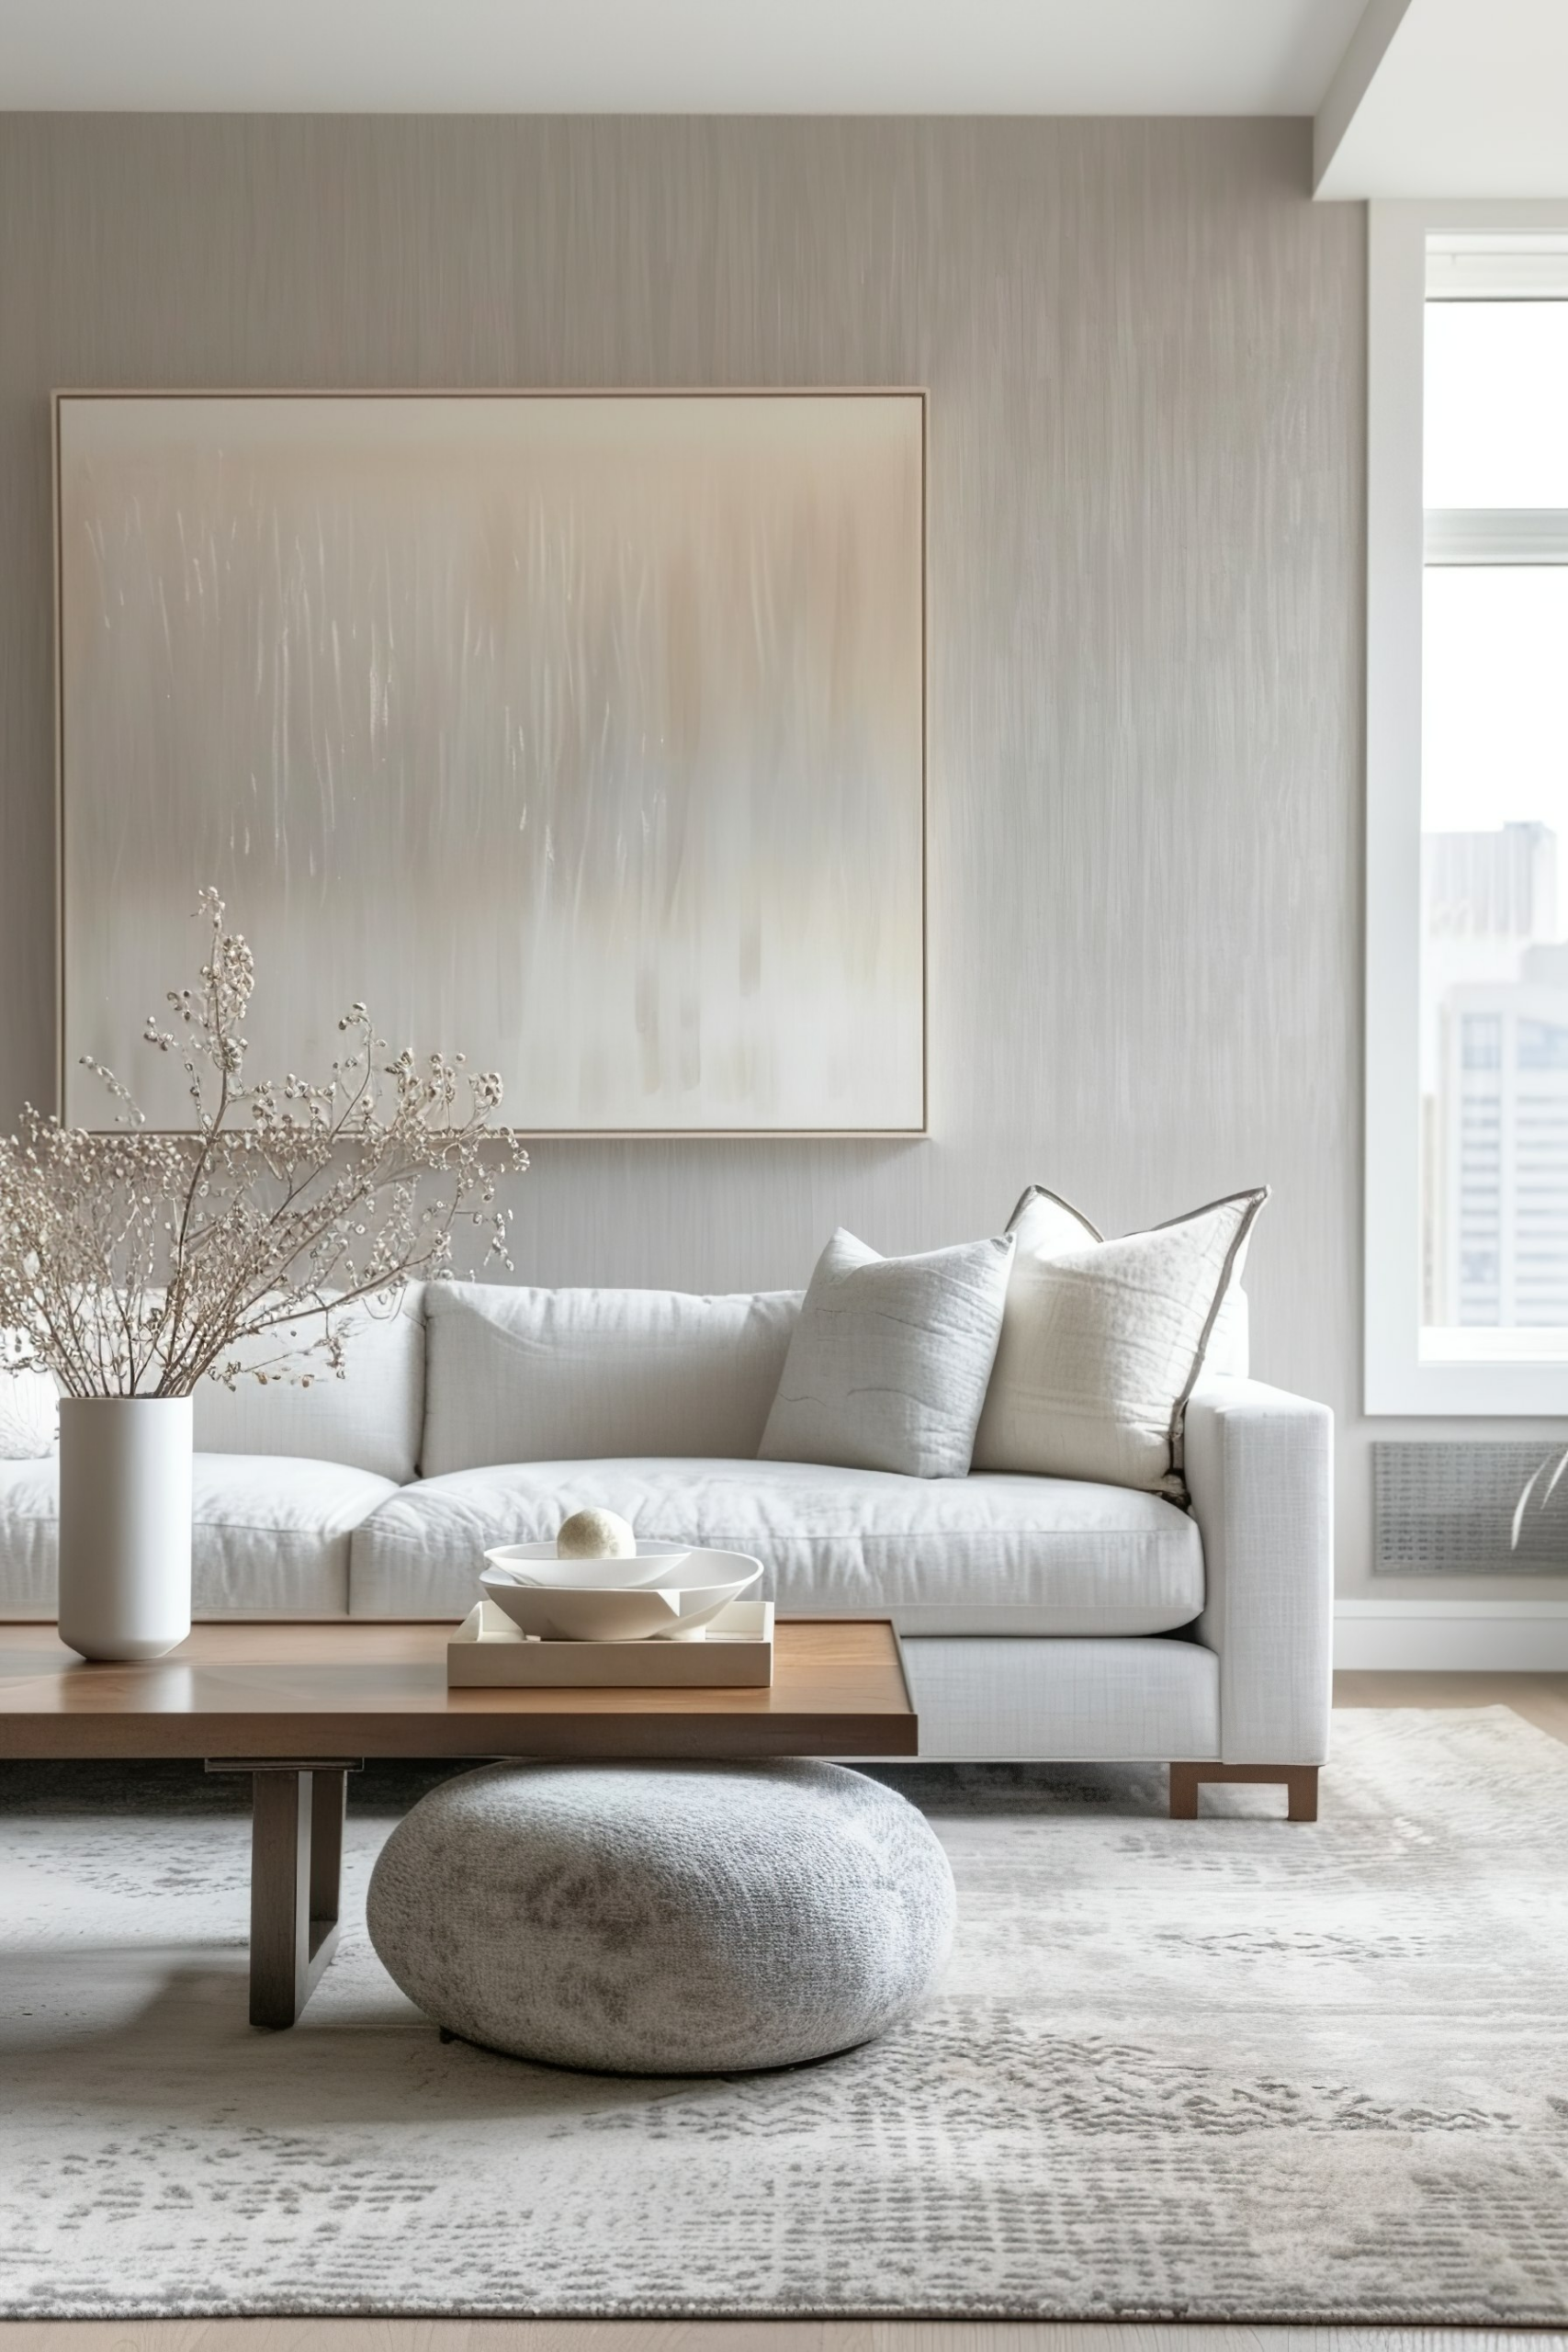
[[663, 1918]]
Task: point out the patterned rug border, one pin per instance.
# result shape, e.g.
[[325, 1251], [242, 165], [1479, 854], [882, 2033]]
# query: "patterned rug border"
[[1364, 2315]]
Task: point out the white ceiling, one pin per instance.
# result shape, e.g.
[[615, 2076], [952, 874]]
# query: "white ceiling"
[[1412, 98], [1450, 97], [1016, 57]]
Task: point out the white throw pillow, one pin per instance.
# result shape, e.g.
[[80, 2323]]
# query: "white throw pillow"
[[1045, 1226], [30, 1415], [1101, 1342], [888, 1366]]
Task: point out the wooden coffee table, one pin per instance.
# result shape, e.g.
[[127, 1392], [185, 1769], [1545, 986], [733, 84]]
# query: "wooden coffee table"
[[300, 1706]]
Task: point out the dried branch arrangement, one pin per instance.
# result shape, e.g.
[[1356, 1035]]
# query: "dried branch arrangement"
[[135, 1265]]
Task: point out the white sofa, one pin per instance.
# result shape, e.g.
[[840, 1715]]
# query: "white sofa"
[[1042, 1618]]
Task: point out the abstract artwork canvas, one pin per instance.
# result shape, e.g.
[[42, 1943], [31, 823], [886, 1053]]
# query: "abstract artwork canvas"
[[583, 731]]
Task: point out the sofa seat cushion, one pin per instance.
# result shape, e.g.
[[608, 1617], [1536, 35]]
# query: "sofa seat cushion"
[[269, 1538], [942, 1555], [29, 1504]]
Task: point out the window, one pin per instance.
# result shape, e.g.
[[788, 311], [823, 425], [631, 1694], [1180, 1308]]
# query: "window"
[[1467, 910]]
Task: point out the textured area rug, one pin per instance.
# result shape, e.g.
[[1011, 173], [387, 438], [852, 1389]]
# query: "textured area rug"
[[1224, 2070]]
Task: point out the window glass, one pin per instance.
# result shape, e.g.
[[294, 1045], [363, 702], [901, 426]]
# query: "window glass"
[[1496, 402], [1493, 999], [1494, 951]]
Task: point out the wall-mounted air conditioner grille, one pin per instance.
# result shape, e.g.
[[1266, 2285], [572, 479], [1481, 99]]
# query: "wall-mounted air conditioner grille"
[[1449, 1510]]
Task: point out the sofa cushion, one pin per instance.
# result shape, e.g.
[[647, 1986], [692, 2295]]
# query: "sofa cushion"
[[1102, 1343], [29, 1413], [559, 1375], [888, 1362], [269, 1536], [1229, 1351], [370, 1418], [1045, 1226], [30, 1506], [950, 1556]]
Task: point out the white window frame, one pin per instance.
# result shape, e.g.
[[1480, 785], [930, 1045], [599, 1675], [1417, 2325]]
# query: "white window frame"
[[1395, 1378]]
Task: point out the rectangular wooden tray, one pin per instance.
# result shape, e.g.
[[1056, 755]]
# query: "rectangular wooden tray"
[[736, 1652]]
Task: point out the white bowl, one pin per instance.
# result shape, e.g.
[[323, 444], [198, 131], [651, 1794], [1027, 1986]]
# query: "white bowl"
[[536, 1564], [647, 1613]]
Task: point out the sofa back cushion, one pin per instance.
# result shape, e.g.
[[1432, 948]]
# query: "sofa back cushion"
[[29, 1413], [574, 1375], [370, 1419]]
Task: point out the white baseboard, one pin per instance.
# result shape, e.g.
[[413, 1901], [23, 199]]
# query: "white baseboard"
[[1443, 1636]]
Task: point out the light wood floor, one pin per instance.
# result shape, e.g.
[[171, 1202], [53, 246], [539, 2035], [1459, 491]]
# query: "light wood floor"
[[1542, 1698], [735, 2335]]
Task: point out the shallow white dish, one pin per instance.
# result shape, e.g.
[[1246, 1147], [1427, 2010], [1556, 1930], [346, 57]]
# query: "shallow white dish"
[[671, 1612], [536, 1564]]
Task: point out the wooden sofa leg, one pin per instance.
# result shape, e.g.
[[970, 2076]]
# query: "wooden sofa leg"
[[1299, 1781]]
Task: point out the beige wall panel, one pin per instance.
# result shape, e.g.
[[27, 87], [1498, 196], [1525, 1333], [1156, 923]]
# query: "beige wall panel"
[[1144, 346]]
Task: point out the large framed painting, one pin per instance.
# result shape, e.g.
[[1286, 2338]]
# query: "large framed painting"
[[584, 732]]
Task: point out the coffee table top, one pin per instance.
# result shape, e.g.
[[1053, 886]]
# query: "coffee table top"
[[363, 1688]]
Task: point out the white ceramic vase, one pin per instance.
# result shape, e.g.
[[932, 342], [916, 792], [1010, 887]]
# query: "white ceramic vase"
[[125, 1502]]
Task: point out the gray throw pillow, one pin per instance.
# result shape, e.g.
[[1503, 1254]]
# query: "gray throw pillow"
[[889, 1363]]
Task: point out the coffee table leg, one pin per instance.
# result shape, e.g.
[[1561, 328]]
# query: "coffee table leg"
[[329, 1799], [296, 1818], [296, 1865]]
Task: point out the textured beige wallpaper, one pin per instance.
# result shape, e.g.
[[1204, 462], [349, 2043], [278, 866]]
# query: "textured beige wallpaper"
[[1144, 352]]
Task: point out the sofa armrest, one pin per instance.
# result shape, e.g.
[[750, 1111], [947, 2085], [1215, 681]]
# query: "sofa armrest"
[[1260, 1472]]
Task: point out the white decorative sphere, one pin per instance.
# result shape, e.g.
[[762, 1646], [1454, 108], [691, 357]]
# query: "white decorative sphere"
[[596, 1535]]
